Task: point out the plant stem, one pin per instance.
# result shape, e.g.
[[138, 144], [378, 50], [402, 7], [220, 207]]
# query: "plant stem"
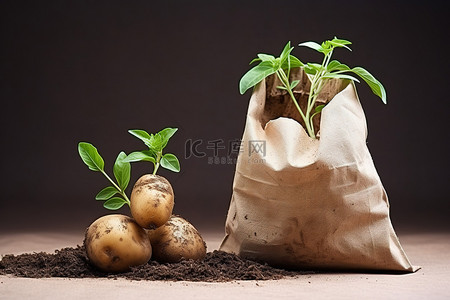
[[317, 83], [158, 158], [156, 168], [122, 193], [285, 81], [316, 87]]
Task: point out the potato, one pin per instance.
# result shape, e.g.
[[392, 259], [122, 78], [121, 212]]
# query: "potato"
[[176, 240], [151, 201], [114, 243]]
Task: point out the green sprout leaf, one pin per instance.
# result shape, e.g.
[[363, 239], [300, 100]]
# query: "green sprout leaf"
[[90, 156], [255, 75], [156, 144], [294, 62], [141, 134], [318, 75], [294, 84], [122, 170], [166, 134], [319, 108], [335, 65], [106, 193], [141, 156], [286, 52], [268, 66], [265, 57], [317, 111], [312, 68], [114, 203], [340, 43], [312, 45], [376, 86], [170, 162], [340, 76]]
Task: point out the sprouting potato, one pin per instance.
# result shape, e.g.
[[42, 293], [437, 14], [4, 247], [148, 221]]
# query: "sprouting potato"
[[152, 201], [176, 240], [114, 243]]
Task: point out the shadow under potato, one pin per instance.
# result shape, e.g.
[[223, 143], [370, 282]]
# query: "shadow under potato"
[[217, 266]]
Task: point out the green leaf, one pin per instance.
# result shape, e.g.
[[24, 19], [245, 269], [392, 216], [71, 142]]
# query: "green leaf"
[[254, 76], [286, 52], [114, 203], [340, 76], [335, 65], [170, 162], [276, 64], [255, 60], [141, 156], [166, 134], [312, 45], [294, 84], [294, 62], [156, 143], [265, 57], [376, 86], [319, 108], [312, 68], [340, 43], [90, 156], [122, 170], [282, 87], [326, 46], [106, 193], [141, 134], [309, 70]]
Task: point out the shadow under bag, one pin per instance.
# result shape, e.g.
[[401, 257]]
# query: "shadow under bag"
[[310, 204]]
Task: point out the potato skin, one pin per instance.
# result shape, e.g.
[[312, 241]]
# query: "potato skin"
[[152, 201], [176, 240], [114, 243]]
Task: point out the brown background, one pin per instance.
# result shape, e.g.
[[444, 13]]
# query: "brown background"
[[90, 70]]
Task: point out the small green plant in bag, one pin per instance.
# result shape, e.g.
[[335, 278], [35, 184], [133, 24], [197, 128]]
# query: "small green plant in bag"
[[318, 73]]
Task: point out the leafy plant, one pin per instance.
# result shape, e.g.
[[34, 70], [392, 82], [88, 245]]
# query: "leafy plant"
[[114, 194], [318, 74], [156, 144]]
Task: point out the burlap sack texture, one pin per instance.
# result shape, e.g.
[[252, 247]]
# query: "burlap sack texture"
[[310, 204]]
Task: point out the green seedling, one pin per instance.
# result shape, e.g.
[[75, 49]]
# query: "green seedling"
[[113, 195], [156, 144], [318, 74], [151, 205]]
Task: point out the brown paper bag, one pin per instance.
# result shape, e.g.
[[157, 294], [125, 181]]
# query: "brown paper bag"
[[303, 203]]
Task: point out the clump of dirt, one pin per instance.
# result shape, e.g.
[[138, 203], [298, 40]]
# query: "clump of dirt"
[[73, 263]]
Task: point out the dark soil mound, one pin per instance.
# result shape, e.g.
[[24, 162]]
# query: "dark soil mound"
[[73, 263]]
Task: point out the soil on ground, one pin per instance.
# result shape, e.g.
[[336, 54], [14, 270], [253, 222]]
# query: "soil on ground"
[[73, 263]]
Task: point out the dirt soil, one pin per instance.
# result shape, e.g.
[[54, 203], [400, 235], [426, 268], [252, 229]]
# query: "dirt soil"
[[71, 262]]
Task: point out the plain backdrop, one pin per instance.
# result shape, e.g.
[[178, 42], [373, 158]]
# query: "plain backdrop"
[[90, 70]]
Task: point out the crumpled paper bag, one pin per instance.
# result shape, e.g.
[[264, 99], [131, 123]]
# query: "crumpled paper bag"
[[301, 203]]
